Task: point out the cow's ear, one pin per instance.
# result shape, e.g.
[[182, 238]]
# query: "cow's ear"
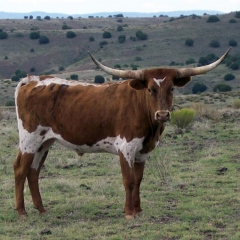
[[138, 84], [180, 82]]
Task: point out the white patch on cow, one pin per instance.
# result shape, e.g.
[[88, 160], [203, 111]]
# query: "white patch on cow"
[[158, 81], [31, 143]]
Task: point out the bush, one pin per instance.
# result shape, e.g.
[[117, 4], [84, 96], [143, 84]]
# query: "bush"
[[214, 43], [34, 35], [19, 35], [236, 104], [232, 43], [138, 58], [182, 118], [61, 68], [119, 28], [70, 34], [91, 39], [32, 50], [141, 35], [18, 74], [232, 20], [121, 38], [222, 88], [43, 40], [10, 103], [99, 79], [70, 17], [74, 77], [229, 77], [234, 66], [3, 35], [65, 26], [47, 18], [32, 69], [189, 42], [103, 43], [213, 18], [133, 38], [107, 35], [190, 61], [199, 88]]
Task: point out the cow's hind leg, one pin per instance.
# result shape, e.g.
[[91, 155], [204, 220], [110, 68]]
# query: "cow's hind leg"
[[33, 175], [138, 173], [21, 168]]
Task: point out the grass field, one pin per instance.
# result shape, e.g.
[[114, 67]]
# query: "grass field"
[[191, 187]]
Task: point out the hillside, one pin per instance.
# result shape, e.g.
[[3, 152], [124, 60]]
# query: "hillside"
[[165, 45]]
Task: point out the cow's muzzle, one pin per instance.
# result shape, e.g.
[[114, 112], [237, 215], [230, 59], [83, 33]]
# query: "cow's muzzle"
[[162, 116]]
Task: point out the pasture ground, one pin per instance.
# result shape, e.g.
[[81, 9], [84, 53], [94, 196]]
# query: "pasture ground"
[[190, 190]]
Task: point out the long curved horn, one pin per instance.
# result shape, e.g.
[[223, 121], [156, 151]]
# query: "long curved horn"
[[135, 74], [187, 72]]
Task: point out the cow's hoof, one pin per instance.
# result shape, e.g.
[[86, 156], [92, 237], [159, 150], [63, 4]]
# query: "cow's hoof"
[[129, 217]]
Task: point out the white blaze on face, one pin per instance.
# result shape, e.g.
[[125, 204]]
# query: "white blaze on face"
[[159, 81]]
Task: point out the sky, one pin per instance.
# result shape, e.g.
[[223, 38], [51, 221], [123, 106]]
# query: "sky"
[[96, 6]]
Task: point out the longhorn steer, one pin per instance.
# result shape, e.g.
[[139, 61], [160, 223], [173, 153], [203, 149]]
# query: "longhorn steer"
[[124, 118]]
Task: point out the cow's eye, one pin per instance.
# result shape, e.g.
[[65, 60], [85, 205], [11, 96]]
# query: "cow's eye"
[[172, 89]]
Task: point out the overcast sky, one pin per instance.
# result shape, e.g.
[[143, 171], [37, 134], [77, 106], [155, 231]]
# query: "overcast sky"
[[94, 6]]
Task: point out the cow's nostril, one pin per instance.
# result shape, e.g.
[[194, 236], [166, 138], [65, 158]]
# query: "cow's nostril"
[[162, 116]]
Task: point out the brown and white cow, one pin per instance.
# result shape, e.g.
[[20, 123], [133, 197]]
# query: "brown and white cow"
[[124, 118]]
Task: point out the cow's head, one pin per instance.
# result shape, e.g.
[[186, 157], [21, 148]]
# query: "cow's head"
[[159, 84]]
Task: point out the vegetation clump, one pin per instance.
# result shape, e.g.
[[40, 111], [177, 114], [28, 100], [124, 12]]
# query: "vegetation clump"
[[189, 42], [43, 40], [222, 87], [199, 88], [70, 34], [34, 35], [74, 76], [229, 77], [141, 35], [107, 35], [182, 118], [213, 18], [99, 79]]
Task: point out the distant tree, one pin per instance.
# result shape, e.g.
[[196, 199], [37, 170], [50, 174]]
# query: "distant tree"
[[117, 66], [141, 35], [70, 17], [232, 43], [18, 74], [213, 18], [74, 77], [189, 42], [32, 69], [15, 78], [34, 35], [91, 39], [121, 38], [71, 34], [119, 28], [203, 61], [107, 35], [234, 66], [237, 14], [25, 17], [3, 35], [214, 43], [30, 17], [61, 68], [47, 18], [120, 15], [229, 77], [38, 17], [99, 79], [65, 26], [198, 88], [222, 87], [43, 40]]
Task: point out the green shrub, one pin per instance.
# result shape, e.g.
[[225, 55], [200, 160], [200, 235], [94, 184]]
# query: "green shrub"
[[70, 34], [6, 57], [91, 39], [141, 35], [189, 42], [3, 35], [32, 69], [99, 79], [65, 26], [232, 20], [222, 88], [43, 40], [32, 50], [34, 35], [214, 43], [198, 88], [190, 61], [236, 104], [47, 18], [107, 35], [182, 118], [103, 43], [138, 58], [229, 77], [10, 103], [119, 28], [234, 66], [19, 35], [61, 68], [232, 43], [213, 18], [74, 76], [121, 38]]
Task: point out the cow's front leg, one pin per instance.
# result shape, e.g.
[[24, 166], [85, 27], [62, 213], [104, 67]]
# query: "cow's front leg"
[[128, 182], [138, 171]]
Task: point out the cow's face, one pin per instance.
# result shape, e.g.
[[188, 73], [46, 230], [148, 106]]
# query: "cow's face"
[[159, 88]]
